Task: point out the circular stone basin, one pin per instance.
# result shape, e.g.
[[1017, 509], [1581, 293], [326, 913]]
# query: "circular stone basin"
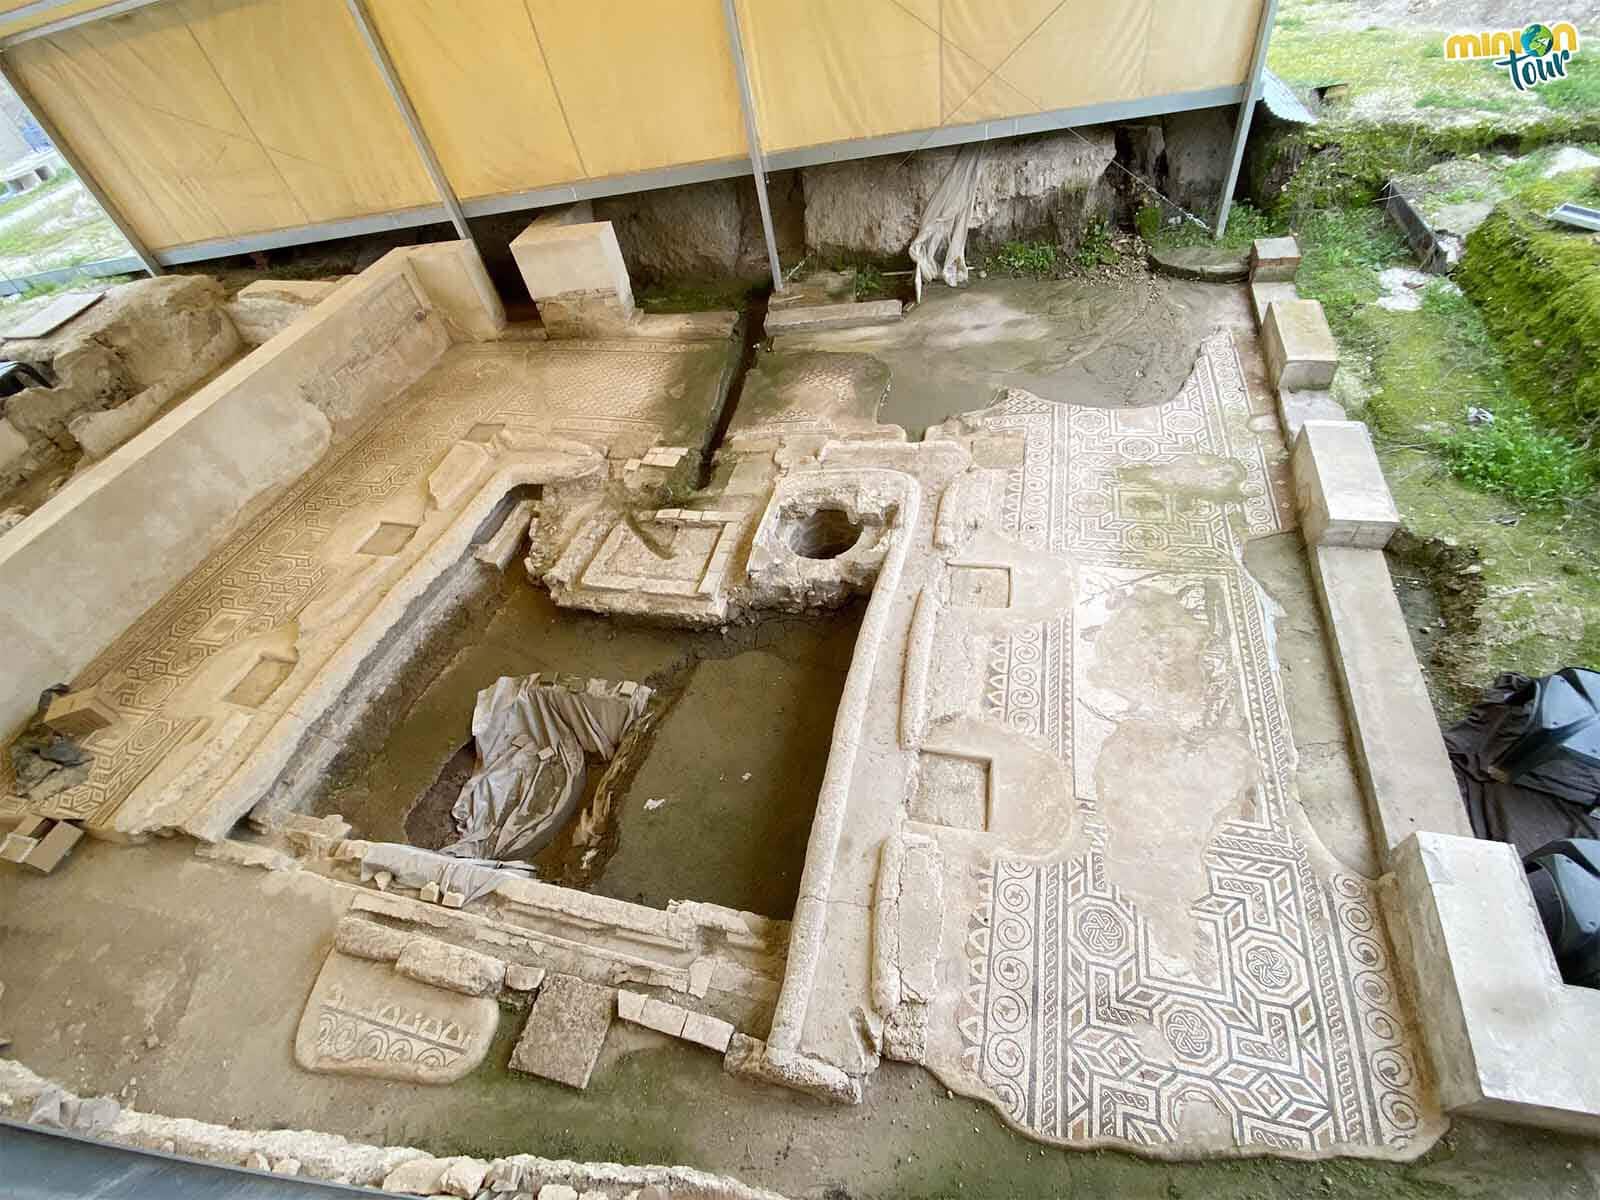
[[825, 533]]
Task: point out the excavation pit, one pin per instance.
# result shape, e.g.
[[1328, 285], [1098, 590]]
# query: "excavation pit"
[[712, 800]]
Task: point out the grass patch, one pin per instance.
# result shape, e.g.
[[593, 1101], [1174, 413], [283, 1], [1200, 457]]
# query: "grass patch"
[[1095, 248], [11, 203], [1524, 463], [1027, 259], [1458, 101], [1426, 368], [870, 284], [1246, 223], [1409, 107], [696, 297], [1579, 92], [1541, 569]]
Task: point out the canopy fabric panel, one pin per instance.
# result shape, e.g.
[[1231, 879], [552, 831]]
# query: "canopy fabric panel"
[[217, 118], [520, 94], [838, 70], [645, 85], [220, 119]]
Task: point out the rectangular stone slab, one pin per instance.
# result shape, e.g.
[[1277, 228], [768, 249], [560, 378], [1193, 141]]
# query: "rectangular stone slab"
[[813, 317], [78, 714], [577, 259], [1274, 259], [1340, 491], [1400, 754], [1299, 347], [428, 960], [53, 847], [566, 1028], [1508, 1039], [1268, 291]]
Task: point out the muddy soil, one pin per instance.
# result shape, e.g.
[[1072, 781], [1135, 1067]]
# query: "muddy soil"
[[1440, 587], [1127, 342], [123, 944], [718, 806]]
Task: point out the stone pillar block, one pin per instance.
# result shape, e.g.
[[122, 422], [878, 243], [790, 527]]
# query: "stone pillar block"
[[575, 273], [1339, 487], [1266, 292], [1299, 346], [1274, 259], [1508, 1039]]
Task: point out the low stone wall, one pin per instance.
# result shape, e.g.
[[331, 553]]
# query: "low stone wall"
[[117, 537]]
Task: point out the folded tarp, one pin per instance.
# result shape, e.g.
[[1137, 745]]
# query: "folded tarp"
[[532, 740]]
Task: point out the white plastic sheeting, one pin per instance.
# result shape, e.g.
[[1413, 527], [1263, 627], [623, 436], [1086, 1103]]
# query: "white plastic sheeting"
[[940, 247], [413, 867], [532, 739]]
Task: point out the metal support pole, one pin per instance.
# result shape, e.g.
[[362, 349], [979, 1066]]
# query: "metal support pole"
[[1247, 109], [152, 265], [758, 164], [419, 138]]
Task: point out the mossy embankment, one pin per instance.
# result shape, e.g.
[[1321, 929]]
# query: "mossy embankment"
[[1537, 284]]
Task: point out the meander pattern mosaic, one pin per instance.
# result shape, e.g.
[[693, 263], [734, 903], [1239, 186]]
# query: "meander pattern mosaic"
[[1295, 1034], [270, 571]]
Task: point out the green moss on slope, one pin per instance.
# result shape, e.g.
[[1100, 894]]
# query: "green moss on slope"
[[1538, 287]]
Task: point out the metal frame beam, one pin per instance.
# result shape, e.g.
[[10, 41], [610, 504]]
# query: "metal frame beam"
[[149, 261], [756, 163], [1247, 110], [49, 28], [408, 114], [752, 133]]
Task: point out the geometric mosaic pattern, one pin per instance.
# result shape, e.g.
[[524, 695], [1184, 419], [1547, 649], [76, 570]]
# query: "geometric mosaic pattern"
[[1297, 1042], [1075, 489], [1026, 687], [267, 573], [1294, 1036]]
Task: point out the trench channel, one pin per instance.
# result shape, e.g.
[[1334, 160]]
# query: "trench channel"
[[711, 797], [714, 801]]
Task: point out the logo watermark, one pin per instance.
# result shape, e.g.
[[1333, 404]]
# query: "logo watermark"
[[1531, 56]]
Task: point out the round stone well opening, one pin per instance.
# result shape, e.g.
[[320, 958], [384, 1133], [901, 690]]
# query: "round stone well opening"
[[823, 533]]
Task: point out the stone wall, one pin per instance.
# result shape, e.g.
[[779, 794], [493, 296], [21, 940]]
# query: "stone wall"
[[142, 344], [705, 231], [1048, 186], [1197, 146], [121, 534]]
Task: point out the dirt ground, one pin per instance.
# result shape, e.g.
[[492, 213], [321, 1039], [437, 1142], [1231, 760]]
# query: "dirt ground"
[[157, 942]]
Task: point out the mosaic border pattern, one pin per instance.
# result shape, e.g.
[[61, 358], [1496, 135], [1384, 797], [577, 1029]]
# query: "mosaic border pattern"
[[267, 573], [1067, 1013]]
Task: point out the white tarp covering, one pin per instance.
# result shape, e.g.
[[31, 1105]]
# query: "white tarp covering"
[[940, 247], [414, 867], [532, 739]]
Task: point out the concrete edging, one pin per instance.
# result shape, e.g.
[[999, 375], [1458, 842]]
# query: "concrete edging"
[[1508, 1039]]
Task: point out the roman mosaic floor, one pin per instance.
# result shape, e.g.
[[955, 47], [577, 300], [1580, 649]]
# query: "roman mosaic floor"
[[1161, 955], [223, 663], [1060, 856]]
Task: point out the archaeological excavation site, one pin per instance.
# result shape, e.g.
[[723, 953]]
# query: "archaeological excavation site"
[[727, 599]]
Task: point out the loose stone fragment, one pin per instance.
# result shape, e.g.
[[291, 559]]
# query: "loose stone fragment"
[[566, 1028]]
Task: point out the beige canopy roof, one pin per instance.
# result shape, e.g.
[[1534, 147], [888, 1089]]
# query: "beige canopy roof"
[[207, 121]]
